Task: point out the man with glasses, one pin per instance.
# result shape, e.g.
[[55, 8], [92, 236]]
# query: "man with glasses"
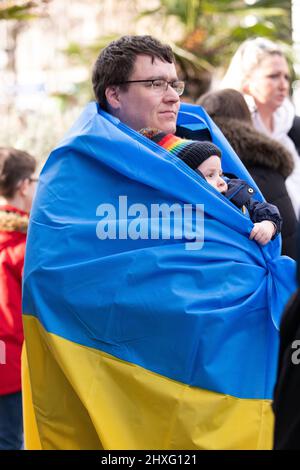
[[132, 323], [135, 79]]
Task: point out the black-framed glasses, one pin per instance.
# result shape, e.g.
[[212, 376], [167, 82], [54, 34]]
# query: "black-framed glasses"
[[30, 179], [160, 85]]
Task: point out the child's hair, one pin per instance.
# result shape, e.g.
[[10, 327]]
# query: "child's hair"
[[227, 103], [15, 166]]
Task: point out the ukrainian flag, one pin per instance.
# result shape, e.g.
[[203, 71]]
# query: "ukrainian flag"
[[137, 342]]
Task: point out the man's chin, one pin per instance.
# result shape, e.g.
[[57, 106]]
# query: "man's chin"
[[169, 128]]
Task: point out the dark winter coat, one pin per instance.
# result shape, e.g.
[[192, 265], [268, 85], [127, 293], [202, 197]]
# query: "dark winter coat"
[[269, 164], [241, 195], [286, 393], [294, 133]]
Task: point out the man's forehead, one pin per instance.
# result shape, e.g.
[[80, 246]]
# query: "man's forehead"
[[154, 65], [151, 59]]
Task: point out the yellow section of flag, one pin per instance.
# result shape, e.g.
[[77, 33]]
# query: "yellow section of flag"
[[86, 399]]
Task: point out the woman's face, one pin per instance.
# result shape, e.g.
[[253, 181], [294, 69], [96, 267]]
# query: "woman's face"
[[28, 190], [269, 82]]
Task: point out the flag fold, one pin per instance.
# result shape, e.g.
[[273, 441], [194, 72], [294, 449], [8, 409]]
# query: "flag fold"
[[151, 320]]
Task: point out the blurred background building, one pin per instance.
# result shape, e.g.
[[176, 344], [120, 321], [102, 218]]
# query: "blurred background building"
[[48, 47]]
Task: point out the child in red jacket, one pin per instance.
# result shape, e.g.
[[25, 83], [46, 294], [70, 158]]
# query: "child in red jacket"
[[17, 187]]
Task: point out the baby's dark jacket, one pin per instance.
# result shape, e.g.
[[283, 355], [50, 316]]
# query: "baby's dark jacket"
[[241, 194]]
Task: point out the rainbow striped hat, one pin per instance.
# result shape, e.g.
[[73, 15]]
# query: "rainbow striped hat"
[[192, 152]]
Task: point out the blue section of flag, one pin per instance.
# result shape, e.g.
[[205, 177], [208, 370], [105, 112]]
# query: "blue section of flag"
[[206, 317]]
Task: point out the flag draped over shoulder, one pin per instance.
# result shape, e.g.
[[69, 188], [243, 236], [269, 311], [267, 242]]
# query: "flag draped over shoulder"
[[140, 342]]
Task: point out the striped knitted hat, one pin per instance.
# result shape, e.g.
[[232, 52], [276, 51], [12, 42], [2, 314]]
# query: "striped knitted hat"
[[192, 152]]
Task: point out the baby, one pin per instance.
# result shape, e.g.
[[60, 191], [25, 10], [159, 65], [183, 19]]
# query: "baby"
[[205, 158]]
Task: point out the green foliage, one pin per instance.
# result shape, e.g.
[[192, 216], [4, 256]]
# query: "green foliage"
[[87, 54], [21, 11], [83, 55], [214, 29]]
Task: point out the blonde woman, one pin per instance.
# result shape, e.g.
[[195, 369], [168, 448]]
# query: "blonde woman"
[[260, 71]]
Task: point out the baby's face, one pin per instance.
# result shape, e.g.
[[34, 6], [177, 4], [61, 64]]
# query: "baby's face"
[[212, 172]]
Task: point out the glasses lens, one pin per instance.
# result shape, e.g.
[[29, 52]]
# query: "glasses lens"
[[159, 85], [178, 87]]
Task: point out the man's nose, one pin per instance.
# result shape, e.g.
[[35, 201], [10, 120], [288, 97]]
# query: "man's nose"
[[170, 94]]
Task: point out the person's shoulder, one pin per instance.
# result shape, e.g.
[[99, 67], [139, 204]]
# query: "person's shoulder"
[[13, 229], [234, 182], [296, 123], [239, 192], [294, 133]]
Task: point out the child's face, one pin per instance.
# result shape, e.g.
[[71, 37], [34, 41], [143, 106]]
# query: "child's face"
[[212, 172]]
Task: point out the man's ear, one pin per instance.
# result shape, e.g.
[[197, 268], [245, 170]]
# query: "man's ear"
[[112, 94], [23, 187]]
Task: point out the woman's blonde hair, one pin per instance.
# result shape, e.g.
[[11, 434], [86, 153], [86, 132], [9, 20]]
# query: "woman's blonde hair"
[[247, 58]]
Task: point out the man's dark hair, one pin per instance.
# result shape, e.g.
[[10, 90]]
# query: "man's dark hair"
[[15, 166], [116, 62]]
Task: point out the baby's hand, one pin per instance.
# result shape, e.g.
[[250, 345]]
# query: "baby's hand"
[[262, 232]]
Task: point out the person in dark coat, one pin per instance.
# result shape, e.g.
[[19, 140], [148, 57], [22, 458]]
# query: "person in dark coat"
[[286, 393], [294, 133], [268, 162]]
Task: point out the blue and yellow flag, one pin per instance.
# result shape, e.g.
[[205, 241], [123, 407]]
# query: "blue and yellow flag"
[[139, 334]]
